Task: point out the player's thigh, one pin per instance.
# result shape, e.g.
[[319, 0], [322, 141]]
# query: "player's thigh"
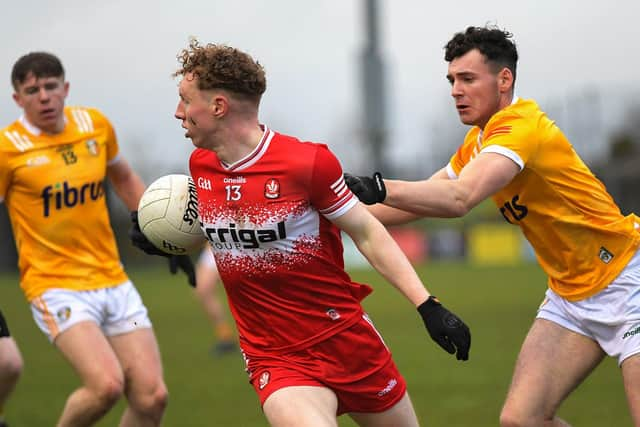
[[401, 414], [308, 406], [552, 362], [87, 350], [631, 376], [139, 357]]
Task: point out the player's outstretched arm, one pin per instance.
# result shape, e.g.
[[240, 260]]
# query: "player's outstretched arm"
[[382, 252], [440, 198], [372, 192], [176, 262]]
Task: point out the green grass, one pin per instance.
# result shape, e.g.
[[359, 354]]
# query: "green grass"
[[499, 304]]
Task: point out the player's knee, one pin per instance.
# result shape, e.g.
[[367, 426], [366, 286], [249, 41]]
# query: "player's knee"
[[11, 365], [510, 418], [108, 391], [159, 399], [525, 417], [11, 369], [153, 402]]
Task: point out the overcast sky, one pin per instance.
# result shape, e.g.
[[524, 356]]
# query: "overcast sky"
[[119, 56]]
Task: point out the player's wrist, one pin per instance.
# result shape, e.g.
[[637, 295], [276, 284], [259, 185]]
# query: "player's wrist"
[[369, 189], [427, 307]]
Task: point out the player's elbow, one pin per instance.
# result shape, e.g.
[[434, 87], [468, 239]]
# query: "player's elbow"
[[461, 206], [459, 209]]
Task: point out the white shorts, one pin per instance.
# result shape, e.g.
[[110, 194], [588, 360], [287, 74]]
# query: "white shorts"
[[611, 317], [116, 310]]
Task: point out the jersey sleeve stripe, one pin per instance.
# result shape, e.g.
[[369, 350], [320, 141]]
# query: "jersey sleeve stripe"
[[21, 142], [339, 187], [340, 208], [83, 120], [78, 119], [89, 120], [498, 149], [452, 174], [502, 130]]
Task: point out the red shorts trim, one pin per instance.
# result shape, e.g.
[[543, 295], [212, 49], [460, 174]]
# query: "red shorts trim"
[[355, 363]]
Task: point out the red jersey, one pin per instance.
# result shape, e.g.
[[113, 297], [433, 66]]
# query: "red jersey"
[[267, 218]]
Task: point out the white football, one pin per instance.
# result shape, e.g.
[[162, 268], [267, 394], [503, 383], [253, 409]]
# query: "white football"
[[168, 215]]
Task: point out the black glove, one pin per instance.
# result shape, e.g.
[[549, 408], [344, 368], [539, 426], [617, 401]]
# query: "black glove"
[[445, 328], [140, 241], [184, 263], [369, 190]]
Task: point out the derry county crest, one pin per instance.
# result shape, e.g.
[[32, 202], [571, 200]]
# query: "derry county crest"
[[272, 189]]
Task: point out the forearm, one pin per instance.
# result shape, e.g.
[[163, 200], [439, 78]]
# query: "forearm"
[[129, 189], [382, 252], [431, 198], [387, 258], [391, 216]]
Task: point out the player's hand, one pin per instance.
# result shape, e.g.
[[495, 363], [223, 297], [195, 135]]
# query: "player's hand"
[[445, 328], [140, 241], [184, 263], [369, 190]]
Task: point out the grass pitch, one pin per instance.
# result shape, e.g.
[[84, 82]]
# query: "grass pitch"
[[498, 303]]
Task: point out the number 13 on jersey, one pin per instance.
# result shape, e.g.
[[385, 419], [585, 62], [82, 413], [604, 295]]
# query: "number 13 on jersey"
[[233, 192]]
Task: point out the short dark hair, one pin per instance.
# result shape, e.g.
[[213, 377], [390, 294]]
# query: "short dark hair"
[[495, 44], [223, 67], [41, 64]]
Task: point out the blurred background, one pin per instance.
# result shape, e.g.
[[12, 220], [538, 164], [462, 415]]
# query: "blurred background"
[[366, 77]]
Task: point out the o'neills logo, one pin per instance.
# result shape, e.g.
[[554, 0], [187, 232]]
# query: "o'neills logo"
[[390, 386], [191, 210], [235, 180], [272, 189], [631, 332], [264, 379]]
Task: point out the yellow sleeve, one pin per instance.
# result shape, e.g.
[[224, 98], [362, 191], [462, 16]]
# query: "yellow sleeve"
[[512, 136], [101, 121], [5, 172], [464, 153]]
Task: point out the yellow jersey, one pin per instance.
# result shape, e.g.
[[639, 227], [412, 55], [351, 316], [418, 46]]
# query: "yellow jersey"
[[53, 186], [581, 239]]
